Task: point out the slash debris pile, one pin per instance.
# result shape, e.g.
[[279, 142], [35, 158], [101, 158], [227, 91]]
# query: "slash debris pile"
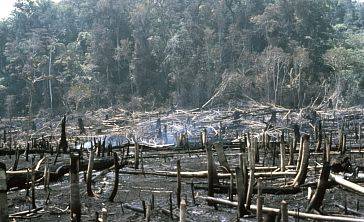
[[249, 163]]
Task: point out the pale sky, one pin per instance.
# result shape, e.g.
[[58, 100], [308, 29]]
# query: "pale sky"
[[6, 6]]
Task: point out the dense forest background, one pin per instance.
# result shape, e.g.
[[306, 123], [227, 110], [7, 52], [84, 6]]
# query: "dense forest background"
[[85, 54]]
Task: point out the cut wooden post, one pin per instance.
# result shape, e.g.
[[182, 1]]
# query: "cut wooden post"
[[178, 193], [284, 211], [182, 211], [302, 170], [4, 216], [89, 172], [259, 201], [136, 155], [116, 180], [75, 203]]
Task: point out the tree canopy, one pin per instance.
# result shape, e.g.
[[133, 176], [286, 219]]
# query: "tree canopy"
[[81, 54]]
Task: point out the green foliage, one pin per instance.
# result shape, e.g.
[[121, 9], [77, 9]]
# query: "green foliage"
[[95, 53]]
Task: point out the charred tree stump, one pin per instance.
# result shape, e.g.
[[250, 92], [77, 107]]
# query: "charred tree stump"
[[63, 144], [242, 185], [251, 153], [283, 154], [318, 197], [75, 203], [303, 162], [284, 211], [116, 181], [193, 193], [16, 160], [182, 211], [341, 140], [178, 193], [259, 201], [89, 173], [81, 126], [291, 152], [136, 156], [319, 137], [221, 156], [33, 187], [4, 216], [27, 152], [210, 173]]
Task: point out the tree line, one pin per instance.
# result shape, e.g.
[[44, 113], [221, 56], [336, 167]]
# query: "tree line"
[[84, 54]]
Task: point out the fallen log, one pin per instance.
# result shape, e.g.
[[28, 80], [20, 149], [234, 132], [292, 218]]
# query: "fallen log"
[[347, 184], [18, 179], [203, 174], [291, 213]]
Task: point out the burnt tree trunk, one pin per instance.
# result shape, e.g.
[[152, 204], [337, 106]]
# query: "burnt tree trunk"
[[63, 143]]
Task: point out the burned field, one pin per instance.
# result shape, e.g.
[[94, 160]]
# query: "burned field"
[[253, 163]]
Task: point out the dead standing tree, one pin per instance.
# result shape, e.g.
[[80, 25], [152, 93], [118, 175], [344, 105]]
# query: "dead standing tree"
[[63, 144]]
